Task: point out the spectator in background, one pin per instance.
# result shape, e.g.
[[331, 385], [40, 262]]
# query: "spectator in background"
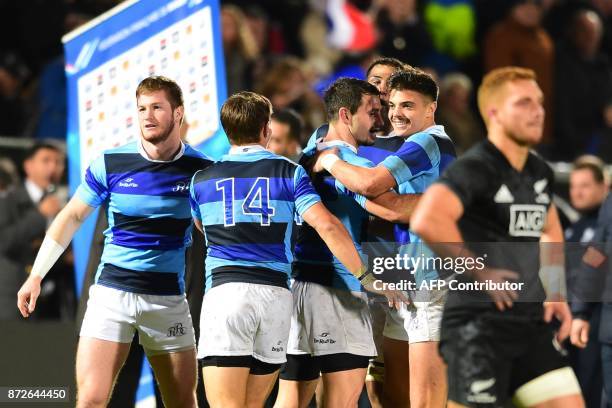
[[13, 74], [452, 25], [286, 84], [588, 188], [520, 40], [455, 113], [285, 140], [584, 86], [402, 32], [604, 7], [24, 216], [51, 111], [8, 176], [239, 49]]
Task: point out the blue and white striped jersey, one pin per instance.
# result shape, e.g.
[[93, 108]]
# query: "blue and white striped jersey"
[[417, 164], [247, 203], [383, 147], [149, 222], [314, 262]]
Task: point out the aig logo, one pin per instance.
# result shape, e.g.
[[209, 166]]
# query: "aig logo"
[[527, 220], [181, 186]]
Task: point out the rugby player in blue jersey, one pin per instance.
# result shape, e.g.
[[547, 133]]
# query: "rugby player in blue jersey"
[[331, 329], [139, 285], [415, 330], [246, 205], [380, 231]]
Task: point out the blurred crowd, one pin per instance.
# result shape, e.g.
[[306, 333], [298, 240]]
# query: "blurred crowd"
[[291, 50]]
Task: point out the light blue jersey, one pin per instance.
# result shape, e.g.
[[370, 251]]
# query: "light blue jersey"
[[149, 219], [314, 262], [247, 203], [416, 165]]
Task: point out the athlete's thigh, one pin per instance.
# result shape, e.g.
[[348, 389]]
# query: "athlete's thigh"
[[342, 388], [295, 394], [397, 358], [299, 379], [259, 388], [176, 373], [542, 375], [225, 386], [97, 364], [396, 391], [428, 386], [478, 367]]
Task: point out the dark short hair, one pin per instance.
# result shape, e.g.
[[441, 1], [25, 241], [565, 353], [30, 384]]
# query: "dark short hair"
[[389, 62], [592, 163], [38, 146], [161, 83], [243, 115], [293, 120], [346, 93], [414, 80]]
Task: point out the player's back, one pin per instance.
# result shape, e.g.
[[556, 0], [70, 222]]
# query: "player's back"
[[247, 203]]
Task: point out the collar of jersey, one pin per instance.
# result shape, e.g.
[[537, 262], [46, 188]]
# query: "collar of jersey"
[[143, 153], [246, 149], [336, 143]]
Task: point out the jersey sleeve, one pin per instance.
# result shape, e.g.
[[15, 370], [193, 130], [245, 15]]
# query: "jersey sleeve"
[[341, 188], [193, 200], [94, 188], [467, 178], [413, 158], [304, 193]]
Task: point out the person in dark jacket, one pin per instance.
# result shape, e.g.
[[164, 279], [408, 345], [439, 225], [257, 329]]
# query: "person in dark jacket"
[[588, 188]]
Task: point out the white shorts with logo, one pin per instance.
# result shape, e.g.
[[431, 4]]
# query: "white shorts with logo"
[[163, 322], [327, 320], [417, 322], [245, 319]]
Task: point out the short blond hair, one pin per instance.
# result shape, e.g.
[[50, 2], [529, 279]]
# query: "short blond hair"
[[494, 81]]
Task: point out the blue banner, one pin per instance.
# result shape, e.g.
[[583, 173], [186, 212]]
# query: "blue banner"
[[107, 58]]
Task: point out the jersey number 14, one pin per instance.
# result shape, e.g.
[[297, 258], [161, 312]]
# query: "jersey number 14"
[[256, 202]]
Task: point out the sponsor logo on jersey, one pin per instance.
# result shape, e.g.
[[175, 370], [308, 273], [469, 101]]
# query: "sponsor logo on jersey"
[[478, 392], [526, 220], [181, 186], [541, 196], [128, 182], [503, 195]]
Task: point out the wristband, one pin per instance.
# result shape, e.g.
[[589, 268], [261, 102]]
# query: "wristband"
[[553, 280], [362, 272], [367, 280], [328, 161], [48, 254]]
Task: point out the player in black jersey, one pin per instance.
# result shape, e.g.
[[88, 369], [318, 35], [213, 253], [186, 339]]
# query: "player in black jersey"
[[499, 192]]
